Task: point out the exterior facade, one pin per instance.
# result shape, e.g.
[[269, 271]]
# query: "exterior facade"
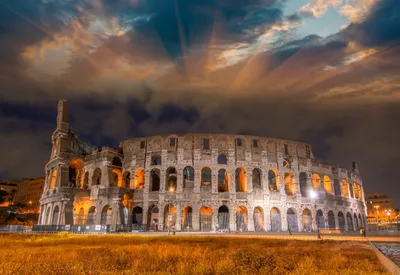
[[29, 192], [197, 182]]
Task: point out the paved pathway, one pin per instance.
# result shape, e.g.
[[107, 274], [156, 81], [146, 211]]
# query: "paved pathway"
[[391, 250]]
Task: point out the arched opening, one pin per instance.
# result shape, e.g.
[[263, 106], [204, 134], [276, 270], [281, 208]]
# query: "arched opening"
[[331, 220], [152, 219], [342, 223], [361, 222], [240, 178], [316, 181], [74, 173], [156, 160], [55, 215], [276, 224], [273, 180], [205, 218], [223, 181], [116, 178], [53, 179], [125, 215], [256, 178], [241, 218], [91, 219], [356, 222], [187, 218], [286, 164], [188, 177], [48, 217], [320, 219], [222, 159], [290, 187], [169, 216], [126, 179], [139, 179], [223, 217], [96, 180], [328, 185], [106, 215], [336, 187], [155, 180], [137, 217], [171, 179], [303, 184], [350, 226], [80, 217], [86, 181], [258, 217], [291, 216], [307, 220], [116, 161], [345, 188], [206, 176]]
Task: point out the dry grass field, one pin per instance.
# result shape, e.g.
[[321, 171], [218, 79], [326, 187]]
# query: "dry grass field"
[[69, 254]]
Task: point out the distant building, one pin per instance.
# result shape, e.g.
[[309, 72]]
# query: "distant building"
[[380, 208], [29, 192], [10, 189]]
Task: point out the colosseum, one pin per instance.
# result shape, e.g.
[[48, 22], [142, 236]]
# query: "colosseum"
[[196, 182]]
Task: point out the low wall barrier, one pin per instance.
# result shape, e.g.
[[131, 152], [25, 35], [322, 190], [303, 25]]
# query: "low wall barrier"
[[386, 262]]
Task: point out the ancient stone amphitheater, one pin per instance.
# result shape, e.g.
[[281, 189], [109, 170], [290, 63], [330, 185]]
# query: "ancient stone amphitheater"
[[199, 182]]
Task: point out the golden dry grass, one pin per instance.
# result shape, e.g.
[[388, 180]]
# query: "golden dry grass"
[[69, 254]]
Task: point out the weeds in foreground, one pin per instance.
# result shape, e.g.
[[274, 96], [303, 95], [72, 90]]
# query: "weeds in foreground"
[[70, 254]]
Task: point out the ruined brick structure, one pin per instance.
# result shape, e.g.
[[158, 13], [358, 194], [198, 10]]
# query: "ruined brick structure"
[[197, 182]]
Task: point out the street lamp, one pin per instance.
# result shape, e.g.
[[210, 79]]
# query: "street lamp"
[[314, 195]]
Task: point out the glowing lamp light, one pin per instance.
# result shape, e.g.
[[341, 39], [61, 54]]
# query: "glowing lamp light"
[[313, 194], [171, 189]]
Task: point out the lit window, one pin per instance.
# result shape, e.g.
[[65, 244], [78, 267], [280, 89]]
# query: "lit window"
[[142, 144], [239, 142], [206, 144], [172, 142], [255, 143]]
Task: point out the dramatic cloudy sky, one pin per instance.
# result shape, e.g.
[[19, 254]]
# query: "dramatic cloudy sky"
[[320, 71]]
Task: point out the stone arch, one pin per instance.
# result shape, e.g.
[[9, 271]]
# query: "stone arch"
[[328, 185], [206, 177], [55, 215], [331, 220], [155, 160], [96, 178], [320, 219], [341, 221], [258, 217], [169, 216], [345, 188], [137, 217], [303, 184], [256, 178], [356, 221], [75, 173], [126, 179], [286, 164], [205, 218], [139, 179], [292, 222], [188, 177], [106, 215], [223, 217], [350, 226], [275, 216], [223, 181], [153, 218], [240, 180], [307, 220], [116, 161], [241, 218], [53, 179], [80, 216], [222, 159], [273, 180], [336, 187], [171, 179], [91, 218], [290, 187], [116, 177], [316, 181], [155, 180], [187, 215]]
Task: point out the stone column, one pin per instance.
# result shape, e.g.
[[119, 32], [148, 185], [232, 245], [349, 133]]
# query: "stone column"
[[179, 183], [161, 215], [336, 221], [196, 217], [250, 219], [197, 180], [249, 179], [214, 180], [284, 219], [267, 219], [232, 218], [299, 220], [162, 180], [178, 215], [145, 211]]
